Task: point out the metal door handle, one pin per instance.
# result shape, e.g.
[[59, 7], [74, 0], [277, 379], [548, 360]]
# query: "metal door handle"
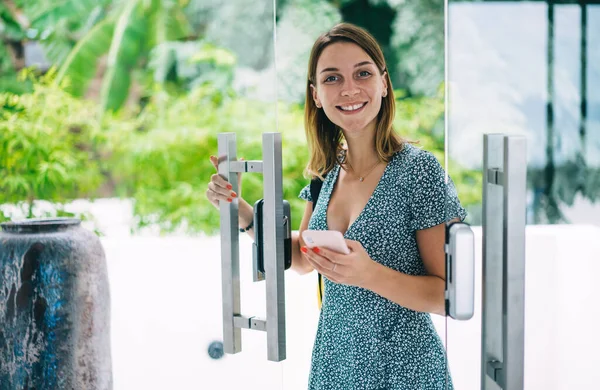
[[273, 238], [504, 211], [460, 271]]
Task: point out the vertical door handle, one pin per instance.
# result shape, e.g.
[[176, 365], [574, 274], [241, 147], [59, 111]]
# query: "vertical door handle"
[[503, 300], [273, 235]]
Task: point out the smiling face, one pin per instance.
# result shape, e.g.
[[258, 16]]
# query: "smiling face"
[[349, 87]]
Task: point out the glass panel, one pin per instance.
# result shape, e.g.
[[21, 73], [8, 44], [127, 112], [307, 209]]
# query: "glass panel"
[[151, 84], [170, 324], [523, 68], [245, 30]]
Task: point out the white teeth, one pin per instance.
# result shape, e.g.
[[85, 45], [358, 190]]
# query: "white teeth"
[[352, 108]]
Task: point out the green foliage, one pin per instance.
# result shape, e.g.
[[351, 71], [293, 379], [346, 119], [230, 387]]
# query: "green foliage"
[[57, 25], [53, 148], [48, 147], [10, 30], [9, 26], [8, 75], [182, 66], [166, 168], [164, 165], [79, 65], [127, 35]]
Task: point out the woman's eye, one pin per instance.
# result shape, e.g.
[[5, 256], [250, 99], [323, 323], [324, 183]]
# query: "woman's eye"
[[364, 73], [331, 79]]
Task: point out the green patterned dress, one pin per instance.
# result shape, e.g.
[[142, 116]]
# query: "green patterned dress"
[[365, 341]]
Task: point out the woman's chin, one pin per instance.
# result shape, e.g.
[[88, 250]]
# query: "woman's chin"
[[355, 128]]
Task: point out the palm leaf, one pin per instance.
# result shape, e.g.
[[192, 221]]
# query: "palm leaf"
[[46, 14], [9, 26], [81, 64], [125, 49], [176, 23]]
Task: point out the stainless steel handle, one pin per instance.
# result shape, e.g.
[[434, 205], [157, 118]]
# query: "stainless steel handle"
[[230, 257], [233, 320], [460, 271], [274, 245], [504, 211]]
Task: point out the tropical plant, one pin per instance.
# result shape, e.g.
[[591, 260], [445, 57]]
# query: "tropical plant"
[[49, 149], [127, 35], [166, 168], [11, 34], [58, 25], [53, 148]]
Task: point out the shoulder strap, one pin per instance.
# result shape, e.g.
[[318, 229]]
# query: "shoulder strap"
[[315, 189]]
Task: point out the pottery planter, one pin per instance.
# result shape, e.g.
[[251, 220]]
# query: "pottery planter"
[[54, 307]]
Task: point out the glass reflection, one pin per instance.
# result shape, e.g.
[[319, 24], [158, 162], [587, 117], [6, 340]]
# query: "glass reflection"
[[518, 68]]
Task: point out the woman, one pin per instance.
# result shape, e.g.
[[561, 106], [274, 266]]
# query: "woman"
[[391, 201]]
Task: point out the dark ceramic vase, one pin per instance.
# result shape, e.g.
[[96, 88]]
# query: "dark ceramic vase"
[[54, 307]]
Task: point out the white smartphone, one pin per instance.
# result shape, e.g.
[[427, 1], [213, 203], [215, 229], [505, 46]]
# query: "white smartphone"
[[328, 239]]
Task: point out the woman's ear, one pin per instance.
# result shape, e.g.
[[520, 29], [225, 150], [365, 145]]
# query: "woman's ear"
[[385, 86], [315, 96]]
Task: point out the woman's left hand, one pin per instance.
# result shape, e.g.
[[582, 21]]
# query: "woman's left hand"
[[354, 269]]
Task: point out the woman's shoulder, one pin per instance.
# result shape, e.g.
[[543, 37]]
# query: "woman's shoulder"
[[413, 158]]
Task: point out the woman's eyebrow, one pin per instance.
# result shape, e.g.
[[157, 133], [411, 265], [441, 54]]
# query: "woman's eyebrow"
[[356, 66]]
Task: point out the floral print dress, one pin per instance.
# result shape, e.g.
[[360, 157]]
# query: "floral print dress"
[[365, 341]]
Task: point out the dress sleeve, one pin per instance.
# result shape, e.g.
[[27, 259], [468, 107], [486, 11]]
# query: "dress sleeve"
[[305, 194], [433, 201]]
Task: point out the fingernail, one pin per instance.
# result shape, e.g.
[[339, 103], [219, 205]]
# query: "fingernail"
[[233, 195], [229, 186], [229, 200], [304, 250], [316, 250]]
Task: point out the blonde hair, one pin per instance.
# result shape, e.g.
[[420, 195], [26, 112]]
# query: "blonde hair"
[[323, 136]]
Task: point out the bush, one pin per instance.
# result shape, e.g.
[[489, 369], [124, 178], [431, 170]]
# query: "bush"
[[165, 164], [49, 148]]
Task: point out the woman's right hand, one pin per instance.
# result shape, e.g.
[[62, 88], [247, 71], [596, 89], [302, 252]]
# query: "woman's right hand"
[[219, 188]]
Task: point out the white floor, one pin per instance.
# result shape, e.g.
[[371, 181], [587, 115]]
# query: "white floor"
[[166, 307]]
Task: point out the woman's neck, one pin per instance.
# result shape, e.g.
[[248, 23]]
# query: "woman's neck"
[[362, 153]]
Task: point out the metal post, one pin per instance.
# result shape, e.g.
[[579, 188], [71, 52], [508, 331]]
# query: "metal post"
[[274, 246], [491, 333], [513, 270], [504, 204], [230, 257]]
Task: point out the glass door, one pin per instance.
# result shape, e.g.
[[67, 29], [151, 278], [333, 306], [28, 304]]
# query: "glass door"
[[168, 328], [243, 35], [529, 69]]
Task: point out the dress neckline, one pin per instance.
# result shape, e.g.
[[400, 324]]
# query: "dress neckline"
[[333, 182]]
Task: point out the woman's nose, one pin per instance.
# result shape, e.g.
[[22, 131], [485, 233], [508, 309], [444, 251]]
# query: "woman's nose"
[[350, 88]]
